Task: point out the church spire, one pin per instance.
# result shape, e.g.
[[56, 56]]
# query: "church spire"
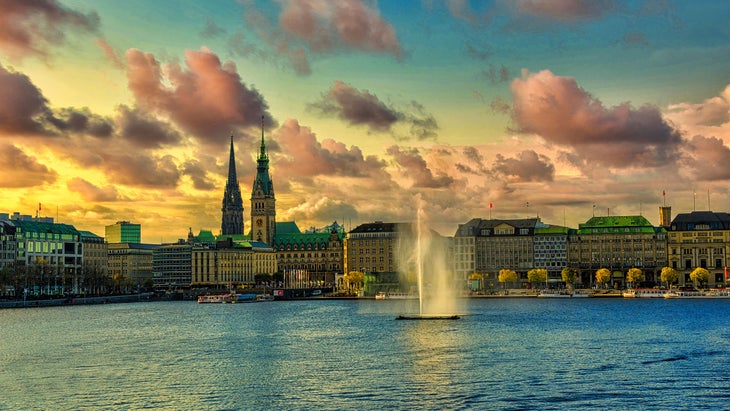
[[232, 221]]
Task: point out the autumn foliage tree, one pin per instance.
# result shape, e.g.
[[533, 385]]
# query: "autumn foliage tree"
[[634, 276], [507, 276], [603, 276], [537, 276], [669, 275], [699, 275], [569, 275]]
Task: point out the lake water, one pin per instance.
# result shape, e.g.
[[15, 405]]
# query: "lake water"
[[506, 354]]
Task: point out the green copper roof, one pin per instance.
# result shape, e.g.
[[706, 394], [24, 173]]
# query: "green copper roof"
[[551, 229], [618, 224], [38, 227]]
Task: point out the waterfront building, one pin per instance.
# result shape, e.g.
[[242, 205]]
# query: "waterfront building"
[[172, 266], [123, 232], [551, 250], [488, 246], [231, 263], [95, 269], [47, 256], [700, 239], [232, 209], [617, 243], [130, 265], [263, 200], [319, 253], [386, 255]]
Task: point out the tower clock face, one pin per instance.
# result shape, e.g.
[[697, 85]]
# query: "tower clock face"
[[259, 222]]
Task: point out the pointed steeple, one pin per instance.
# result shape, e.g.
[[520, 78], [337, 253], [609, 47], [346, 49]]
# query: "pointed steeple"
[[263, 201], [232, 221]]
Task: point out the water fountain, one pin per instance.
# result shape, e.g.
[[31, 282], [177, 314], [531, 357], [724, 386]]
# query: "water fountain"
[[424, 252]]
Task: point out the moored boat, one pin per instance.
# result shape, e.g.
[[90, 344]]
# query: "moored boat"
[[698, 294], [562, 294], [644, 293], [216, 299], [395, 295]]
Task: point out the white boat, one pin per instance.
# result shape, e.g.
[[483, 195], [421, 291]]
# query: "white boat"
[[697, 294], [644, 293], [562, 294], [395, 295], [215, 299], [264, 297]]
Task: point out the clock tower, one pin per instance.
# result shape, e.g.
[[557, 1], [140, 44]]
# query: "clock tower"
[[263, 201]]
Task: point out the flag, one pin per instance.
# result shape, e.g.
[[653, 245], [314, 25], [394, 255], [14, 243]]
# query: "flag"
[[490, 205], [39, 206], [726, 273]]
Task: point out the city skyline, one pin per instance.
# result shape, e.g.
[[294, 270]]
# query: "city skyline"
[[116, 111]]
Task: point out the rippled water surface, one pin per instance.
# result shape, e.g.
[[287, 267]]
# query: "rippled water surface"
[[506, 354]]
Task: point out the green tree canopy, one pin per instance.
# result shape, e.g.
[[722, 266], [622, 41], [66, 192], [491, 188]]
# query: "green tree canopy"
[[635, 275], [537, 275], [669, 275], [603, 276], [507, 276], [699, 275], [569, 275]]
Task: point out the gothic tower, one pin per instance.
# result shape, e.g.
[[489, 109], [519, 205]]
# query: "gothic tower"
[[232, 202], [263, 202]]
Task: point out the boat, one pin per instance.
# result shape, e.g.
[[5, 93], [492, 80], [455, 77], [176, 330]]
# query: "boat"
[[216, 299], [264, 298], [562, 294], [395, 295], [714, 293], [644, 293]]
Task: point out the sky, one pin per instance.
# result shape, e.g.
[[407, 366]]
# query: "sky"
[[372, 110]]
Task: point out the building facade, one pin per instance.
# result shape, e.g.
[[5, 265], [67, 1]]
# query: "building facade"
[[493, 245], [95, 269], [231, 264], [123, 232], [130, 265], [172, 266], [699, 239], [318, 253], [551, 250], [617, 243]]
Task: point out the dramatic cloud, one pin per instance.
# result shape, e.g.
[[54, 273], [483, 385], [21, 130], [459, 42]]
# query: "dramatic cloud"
[[712, 112], [709, 159], [416, 169], [562, 10], [198, 174], [324, 26], [527, 166], [23, 109], [141, 170], [314, 26], [35, 27], [90, 192], [21, 170], [144, 131], [363, 108], [81, 121], [303, 156], [110, 53], [357, 107], [208, 99], [561, 112]]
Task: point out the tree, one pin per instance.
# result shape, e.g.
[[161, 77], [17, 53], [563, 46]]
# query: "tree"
[[507, 276], [699, 275], [603, 276], [635, 275], [354, 281], [569, 275], [537, 276], [669, 275]]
